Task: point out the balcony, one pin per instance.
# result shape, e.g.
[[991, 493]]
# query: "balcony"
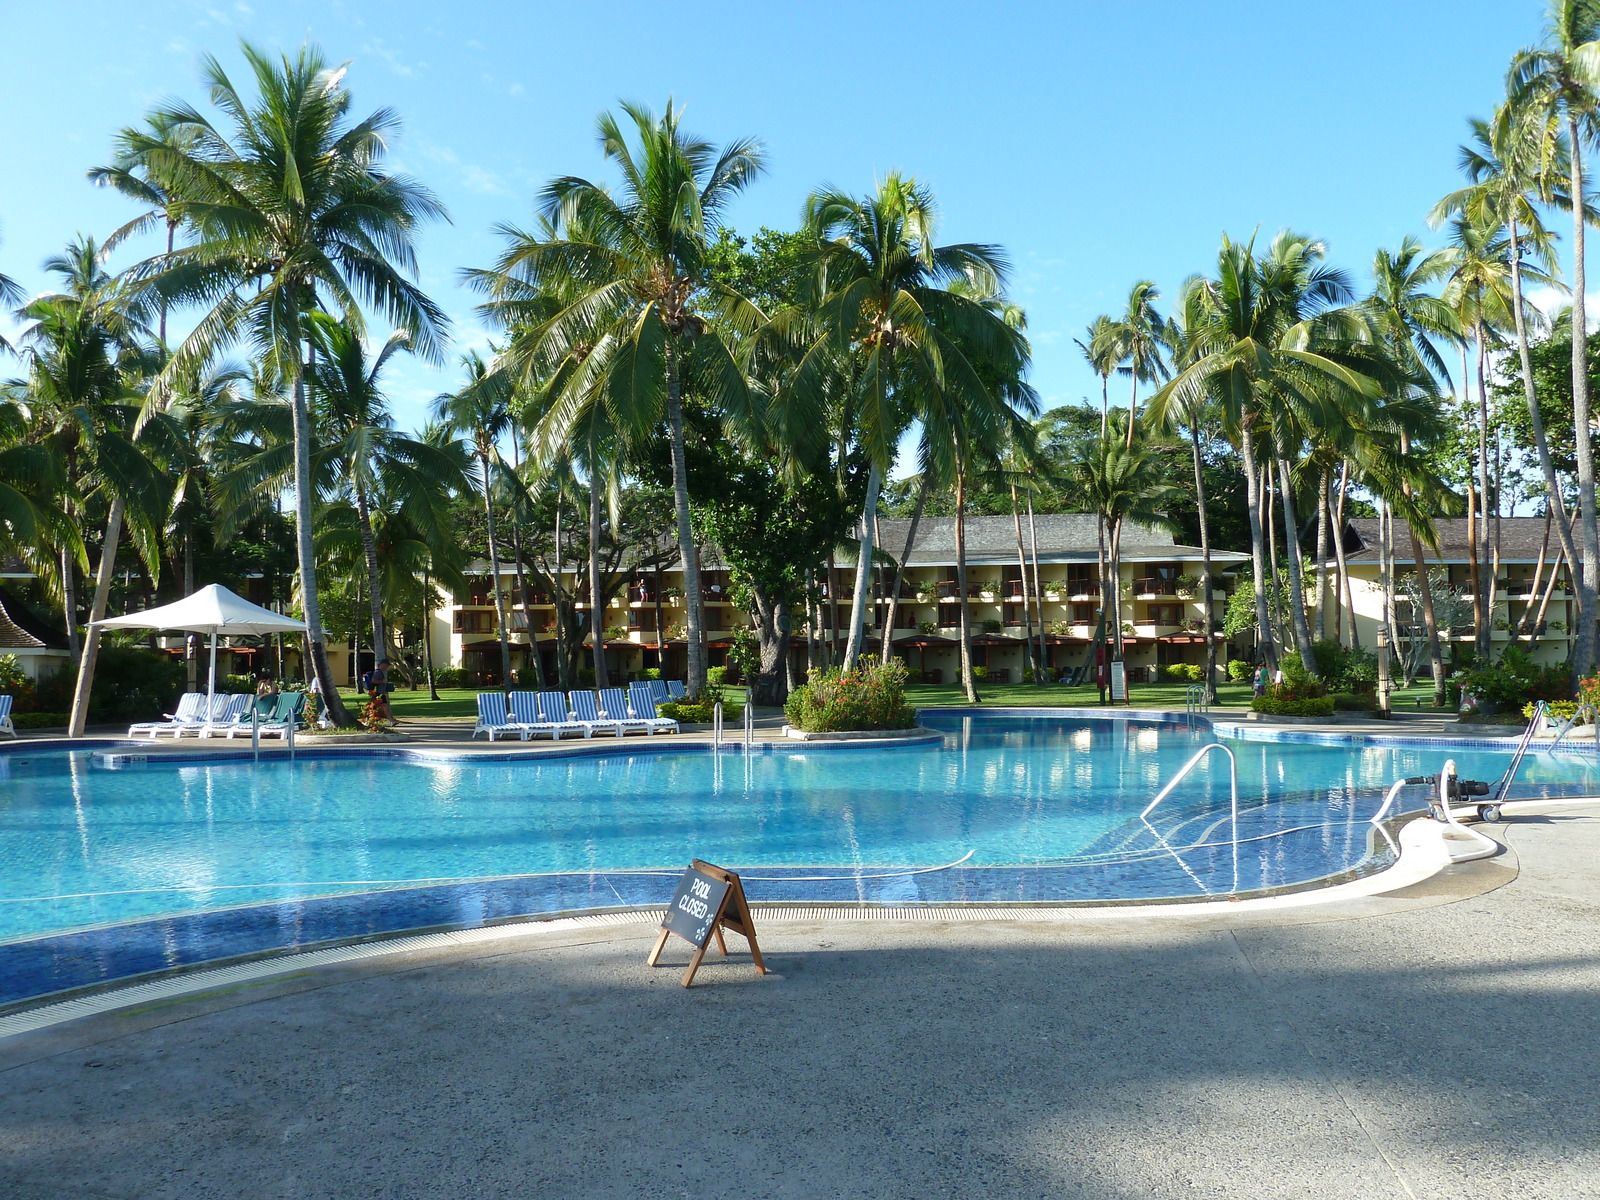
[[1155, 586]]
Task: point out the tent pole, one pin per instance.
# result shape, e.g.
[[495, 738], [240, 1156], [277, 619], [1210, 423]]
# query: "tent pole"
[[211, 679]]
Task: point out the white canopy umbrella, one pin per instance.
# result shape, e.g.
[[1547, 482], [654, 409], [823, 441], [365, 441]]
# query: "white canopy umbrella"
[[214, 610]]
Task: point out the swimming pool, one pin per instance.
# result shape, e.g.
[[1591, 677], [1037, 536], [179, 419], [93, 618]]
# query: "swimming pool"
[[1009, 807]]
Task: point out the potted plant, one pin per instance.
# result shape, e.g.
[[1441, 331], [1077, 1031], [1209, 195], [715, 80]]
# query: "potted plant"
[[927, 627], [991, 625]]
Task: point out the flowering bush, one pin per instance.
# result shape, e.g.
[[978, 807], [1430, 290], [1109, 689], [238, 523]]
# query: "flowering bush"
[[872, 696]]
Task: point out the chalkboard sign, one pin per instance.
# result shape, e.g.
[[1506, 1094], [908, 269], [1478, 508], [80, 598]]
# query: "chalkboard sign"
[[707, 901], [1119, 681]]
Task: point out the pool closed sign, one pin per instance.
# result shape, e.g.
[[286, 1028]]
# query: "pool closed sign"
[[707, 901]]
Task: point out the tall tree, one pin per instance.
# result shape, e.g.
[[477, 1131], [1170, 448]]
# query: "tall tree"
[[890, 325], [1562, 77], [290, 212], [635, 265], [1137, 337]]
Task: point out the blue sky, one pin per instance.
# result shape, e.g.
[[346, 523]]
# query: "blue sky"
[[1097, 143]]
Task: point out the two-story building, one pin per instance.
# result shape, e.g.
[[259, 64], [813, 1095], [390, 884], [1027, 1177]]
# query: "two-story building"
[[1161, 603]]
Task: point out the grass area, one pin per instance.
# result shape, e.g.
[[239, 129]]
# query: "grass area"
[[462, 702], [452, 702]]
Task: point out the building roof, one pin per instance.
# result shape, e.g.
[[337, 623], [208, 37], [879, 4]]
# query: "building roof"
[[1062, 537], [1520, 539], [14, 636], [991, 540]]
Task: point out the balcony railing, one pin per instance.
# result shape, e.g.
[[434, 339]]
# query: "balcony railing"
[[1156, 587]]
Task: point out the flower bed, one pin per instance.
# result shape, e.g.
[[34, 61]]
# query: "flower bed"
[[868, 697]]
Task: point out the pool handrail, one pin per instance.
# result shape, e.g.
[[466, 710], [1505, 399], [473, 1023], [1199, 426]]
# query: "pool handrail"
[[1570, 723], [1539, 711], [1194, 699], [1233, 804]]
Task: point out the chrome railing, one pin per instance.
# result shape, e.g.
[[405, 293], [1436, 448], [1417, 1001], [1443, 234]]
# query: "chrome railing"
[[1233, 805], [1570, 723], [1539, 711]]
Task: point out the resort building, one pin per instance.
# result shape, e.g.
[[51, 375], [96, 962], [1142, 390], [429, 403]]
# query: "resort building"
[[1531, 582], [1164, 621], [39, 652]]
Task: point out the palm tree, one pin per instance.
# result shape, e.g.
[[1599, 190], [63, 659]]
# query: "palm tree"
[[1272, 342], [1137, 337], [891, 327], [480, 413], [1562, 78], [634, 266], [1514, 162], [358, 435], [84, 362], [1121, 482], [290, 213], [1102, 352]]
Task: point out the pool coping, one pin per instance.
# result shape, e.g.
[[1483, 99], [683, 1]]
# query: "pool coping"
[[1423, 853], [116, 751]]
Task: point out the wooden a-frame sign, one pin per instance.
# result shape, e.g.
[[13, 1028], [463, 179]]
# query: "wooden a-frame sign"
[[707, 901]]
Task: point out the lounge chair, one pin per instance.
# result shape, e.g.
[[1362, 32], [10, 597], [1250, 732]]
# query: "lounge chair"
[[675, 689], [493, 717], [642, 708], [191, 711], [5, 717], [614, 707], [288, 711], [586, 711], [553, 711], [525, 714], [207, 716], [658, 691], [235, 714]]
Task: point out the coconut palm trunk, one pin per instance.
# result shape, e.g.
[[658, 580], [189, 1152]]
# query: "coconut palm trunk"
[[97, 609], [501, 622], [1297, 585], [1583, 646], [1430, 620], [597, 611], [695, 609], [1485, 577], [1205, 554], [316, 644], [1038, 593], [1541, 443], [969, 682], [1258, 547], [855, 646], [369, 554], [1027, 592], [1322, 556], [900, 568]]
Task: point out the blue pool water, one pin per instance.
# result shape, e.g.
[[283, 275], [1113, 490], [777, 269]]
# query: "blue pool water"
[[1028, 807]]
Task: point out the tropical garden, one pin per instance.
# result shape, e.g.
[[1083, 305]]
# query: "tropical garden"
[[214, 408]]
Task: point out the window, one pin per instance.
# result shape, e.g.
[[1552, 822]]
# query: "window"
[[1083, 614], [474, 622], [1081, 580], [1166, 614]]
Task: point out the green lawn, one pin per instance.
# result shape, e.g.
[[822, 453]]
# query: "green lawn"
[[462, 702]]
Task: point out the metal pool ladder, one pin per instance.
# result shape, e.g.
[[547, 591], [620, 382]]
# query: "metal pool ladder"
[[1566, 727], [1233, 804], [1195, 703]]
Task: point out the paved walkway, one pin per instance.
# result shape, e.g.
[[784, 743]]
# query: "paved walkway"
[[1439, 1044]]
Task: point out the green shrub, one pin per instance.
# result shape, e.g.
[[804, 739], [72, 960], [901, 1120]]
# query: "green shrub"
[[717, 675], [1309, 706], [1558, 710], [586, 677], [992, 625], [39, 720], [1184, 672], [702, 708], [1517, 679], [652, 673], [1239, 670], [980, 673], [132, 684], [870, 697], [1353, 701], [450, 677]]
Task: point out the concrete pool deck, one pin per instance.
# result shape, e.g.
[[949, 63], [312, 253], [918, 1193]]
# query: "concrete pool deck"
[[1437, 1042]]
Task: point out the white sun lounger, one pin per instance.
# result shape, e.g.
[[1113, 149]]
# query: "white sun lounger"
[[235, 713], [642, 708], [674, 689], [219, 706], [553, 711], [5, 717], [493, 718], [586, 712], [525, 715], [614, 707], [191, 711]]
